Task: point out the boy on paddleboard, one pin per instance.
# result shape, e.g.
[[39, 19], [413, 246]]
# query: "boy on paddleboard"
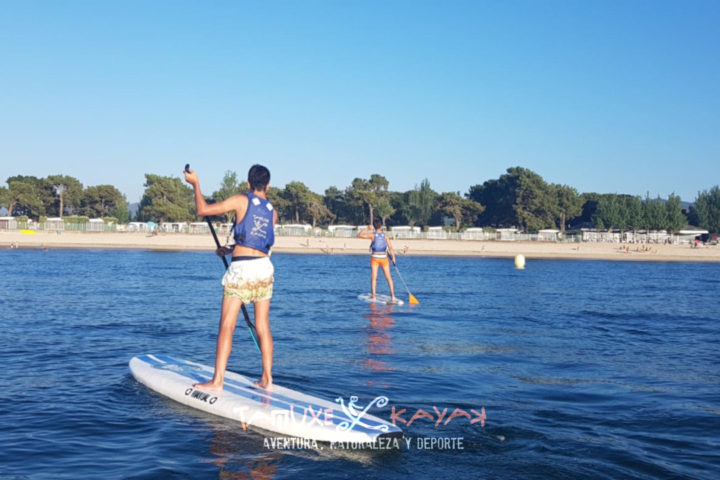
[[249, 279], [380, 249]]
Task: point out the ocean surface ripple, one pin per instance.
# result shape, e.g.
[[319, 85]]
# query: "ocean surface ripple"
[[585, 369]]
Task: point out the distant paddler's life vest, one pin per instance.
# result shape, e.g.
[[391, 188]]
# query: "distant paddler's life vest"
[[379, 246], [256, 228]]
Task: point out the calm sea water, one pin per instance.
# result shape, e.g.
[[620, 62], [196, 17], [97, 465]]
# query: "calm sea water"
[[585, 369]]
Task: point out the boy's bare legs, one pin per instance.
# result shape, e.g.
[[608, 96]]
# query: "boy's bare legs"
[[228, 319], [373, 279], [262, 324], [388, 277]]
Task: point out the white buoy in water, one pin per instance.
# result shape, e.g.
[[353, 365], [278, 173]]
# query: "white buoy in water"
[[520, 261]]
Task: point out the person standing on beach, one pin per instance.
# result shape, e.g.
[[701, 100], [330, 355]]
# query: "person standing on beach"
[[380, 249], [249, 279]]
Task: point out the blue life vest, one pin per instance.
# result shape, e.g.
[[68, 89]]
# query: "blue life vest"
[[256, 228], [379, 244]]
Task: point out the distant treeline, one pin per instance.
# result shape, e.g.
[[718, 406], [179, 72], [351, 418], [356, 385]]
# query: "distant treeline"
[[519, 198]]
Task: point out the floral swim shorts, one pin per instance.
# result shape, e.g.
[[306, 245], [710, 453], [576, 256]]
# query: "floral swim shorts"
[[250, 280]]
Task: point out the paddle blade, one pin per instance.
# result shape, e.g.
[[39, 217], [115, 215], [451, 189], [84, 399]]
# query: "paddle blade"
[[413, 300]]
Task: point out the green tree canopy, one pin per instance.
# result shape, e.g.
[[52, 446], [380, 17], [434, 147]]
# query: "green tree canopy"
[[676, 218], [705, 212], [317, 211], [362, 193], [622, 212], [166, 199], [398, 201], [420, 203], [67, 195], [384, 208], [522, 198], [104, 201], [463, 210], [535, 201], [4, 197], [632, 212], [499, 197], [299, 197], [300, 204], [519, 197], [629, 212], [569, 204], [281, 206], [229, 186], [655, 215], [25, 196], [589, 202], [336, 202]]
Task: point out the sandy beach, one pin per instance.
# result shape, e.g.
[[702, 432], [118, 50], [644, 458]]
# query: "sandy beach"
[[333, 245]]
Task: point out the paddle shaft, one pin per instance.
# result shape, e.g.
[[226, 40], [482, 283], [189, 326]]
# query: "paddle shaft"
[[405, 284]]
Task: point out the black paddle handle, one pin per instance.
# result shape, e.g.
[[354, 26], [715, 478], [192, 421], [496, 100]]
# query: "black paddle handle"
[[212, 229]]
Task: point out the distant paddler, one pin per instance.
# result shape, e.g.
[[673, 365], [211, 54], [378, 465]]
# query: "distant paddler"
[[380, 249]]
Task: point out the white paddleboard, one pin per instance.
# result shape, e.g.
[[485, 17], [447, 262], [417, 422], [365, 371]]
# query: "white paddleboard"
[[281, 410], [384, 299]]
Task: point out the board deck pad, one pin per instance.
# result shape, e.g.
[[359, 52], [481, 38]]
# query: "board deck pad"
[[384, 299], [282, 410]]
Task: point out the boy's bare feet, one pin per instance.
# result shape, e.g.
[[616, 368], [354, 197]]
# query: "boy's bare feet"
[[209, 387], [265, 383]]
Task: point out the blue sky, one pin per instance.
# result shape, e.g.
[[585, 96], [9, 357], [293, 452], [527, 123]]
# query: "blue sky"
[[604, 96]]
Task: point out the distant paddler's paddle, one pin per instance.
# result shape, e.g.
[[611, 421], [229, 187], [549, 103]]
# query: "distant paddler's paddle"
[[250, 325], [411, 297]]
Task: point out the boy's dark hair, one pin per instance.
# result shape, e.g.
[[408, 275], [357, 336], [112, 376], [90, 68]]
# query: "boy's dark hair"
[[377, 223], [258, 177]]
